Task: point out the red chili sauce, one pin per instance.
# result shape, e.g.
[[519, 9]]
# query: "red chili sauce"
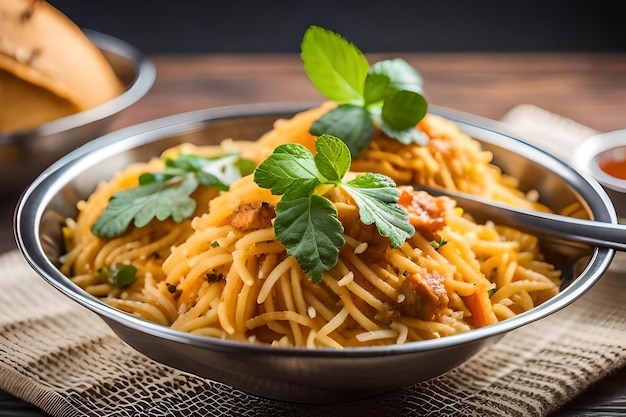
[[613, 162]]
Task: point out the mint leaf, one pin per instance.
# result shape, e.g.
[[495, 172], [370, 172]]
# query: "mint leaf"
[[332, 159], [353, 124], [336, 67], [404, 109], [376, 196], [401, 75], [141, 204], [385, 78], [377, 86], [310, 231], [406, 136], [290, 170]]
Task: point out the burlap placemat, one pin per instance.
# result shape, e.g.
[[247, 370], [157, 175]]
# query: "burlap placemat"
[[65, 360]]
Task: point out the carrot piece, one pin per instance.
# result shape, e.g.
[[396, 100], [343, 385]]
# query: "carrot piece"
[[480, 307]]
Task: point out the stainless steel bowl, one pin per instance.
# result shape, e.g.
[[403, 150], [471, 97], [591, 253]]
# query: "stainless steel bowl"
[[25, 154], [301, 375]]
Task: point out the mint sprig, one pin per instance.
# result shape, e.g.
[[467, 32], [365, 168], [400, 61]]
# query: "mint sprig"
[[167, 194], [388, 94], [306, 222]]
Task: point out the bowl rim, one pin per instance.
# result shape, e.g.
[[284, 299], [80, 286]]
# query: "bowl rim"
[[586, 154], [31, 205], [145, 75]]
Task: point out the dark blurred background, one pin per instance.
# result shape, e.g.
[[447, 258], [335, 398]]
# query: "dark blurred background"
[[224, 26]]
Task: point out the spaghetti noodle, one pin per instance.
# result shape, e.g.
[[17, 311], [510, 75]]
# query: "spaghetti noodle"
[[223, 273]]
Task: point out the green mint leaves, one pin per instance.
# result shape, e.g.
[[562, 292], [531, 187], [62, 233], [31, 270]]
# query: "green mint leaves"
[[306, 222], [168, 194], [336, 68], [388, 94]]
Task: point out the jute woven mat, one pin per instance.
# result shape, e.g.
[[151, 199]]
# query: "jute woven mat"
[[65, 360]]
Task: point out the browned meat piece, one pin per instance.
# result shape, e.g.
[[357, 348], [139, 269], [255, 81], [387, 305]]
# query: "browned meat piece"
[[426, 213], [425, 296], [252, 216]]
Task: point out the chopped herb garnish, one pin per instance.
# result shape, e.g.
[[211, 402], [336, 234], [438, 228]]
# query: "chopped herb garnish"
[[306, 222], [167, 194], [437, 245], [120, 275], [388, 94], [491, 291]]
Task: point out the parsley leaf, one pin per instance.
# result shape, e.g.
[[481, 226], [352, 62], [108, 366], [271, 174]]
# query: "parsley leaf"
[[437, 244], [168, 194], [141, 204], [376, 196], [387, 94], [306, 223]]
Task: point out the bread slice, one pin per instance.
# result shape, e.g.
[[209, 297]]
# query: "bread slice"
[[48, 67]]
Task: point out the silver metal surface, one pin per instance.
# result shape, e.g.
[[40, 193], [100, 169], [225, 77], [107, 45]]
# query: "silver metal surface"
[[25, 154], [548, 225], [301, 375]]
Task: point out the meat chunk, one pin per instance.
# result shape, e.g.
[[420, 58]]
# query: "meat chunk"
[[252, 216], [425, 296], [426, 213]]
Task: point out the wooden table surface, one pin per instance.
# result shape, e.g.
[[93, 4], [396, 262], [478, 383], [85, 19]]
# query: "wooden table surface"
[[588, 88]]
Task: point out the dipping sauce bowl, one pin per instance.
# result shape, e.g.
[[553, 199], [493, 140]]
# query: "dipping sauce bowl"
[[603, 157]]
